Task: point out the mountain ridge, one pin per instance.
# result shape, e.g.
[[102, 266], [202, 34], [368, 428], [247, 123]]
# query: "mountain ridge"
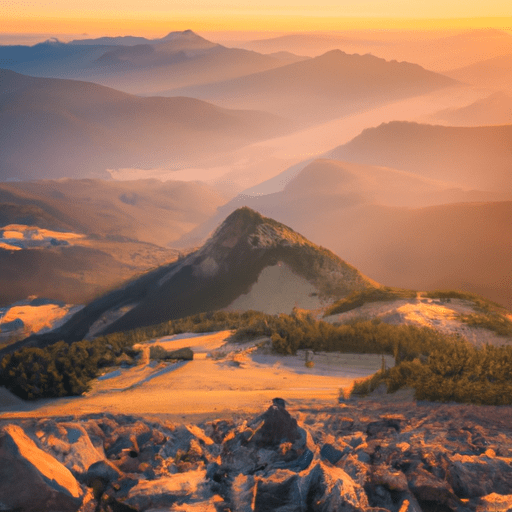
[[54, 127], [212, 277]]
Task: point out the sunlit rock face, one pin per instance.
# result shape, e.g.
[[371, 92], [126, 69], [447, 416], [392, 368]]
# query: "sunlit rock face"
[[31, 479], [361, 456]]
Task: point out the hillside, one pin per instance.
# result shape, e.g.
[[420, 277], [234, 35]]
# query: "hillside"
[[469, 157], [53, 128], [146, 210], [492, 110], [492, 73], [72, 240], [69, 266], [430, 235], [226, 267], [325, 87]]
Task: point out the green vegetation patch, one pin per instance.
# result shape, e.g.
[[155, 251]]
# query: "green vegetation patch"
[[491, 321], [480, 302], [456, 372], [357, 299], [439, 367]]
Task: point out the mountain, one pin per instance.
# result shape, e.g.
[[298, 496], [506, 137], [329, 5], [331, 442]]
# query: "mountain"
[[72, 240], [150, 211], [494, 73], [185, 39], [244, 253], [396, 227], [325, 87], [314, 189], [137, 65], [434, 50], [51, 128], [469, 157], [69, 266], [492, 110]]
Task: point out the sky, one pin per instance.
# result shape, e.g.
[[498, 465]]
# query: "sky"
[[157, 17]]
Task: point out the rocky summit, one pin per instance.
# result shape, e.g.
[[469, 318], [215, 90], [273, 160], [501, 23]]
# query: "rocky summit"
[[367, 455]]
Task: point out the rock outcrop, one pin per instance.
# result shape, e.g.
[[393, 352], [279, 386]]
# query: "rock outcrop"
[[360, 456], [31, 479]]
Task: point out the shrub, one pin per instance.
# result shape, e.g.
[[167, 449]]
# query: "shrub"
[[357, 299]]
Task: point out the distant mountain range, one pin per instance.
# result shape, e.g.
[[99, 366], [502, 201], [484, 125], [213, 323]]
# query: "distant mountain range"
[[325, 87], [52, 128], [137, 65], [494, 73], [229, 266], [492, 110], [473, 157], [434, 50]]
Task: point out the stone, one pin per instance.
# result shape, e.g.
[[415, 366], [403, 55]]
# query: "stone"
[[426, 487], [384, 427], [166, 491], [31, 480], [474, 476], [494, 503], [277, 427], [330, 453], [390, 478], [280, 490], [332, 489], [70, 444], [102, 470]]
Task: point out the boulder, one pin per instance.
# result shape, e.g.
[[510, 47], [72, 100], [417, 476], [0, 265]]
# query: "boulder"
[[494, 502], [331, 489], [280, 491], [31, 480], [242, 493], [390, 478], [102, 470], [475, 476], [427, 488], [331, 453], [166, 491], [384, 427], [70, 444], [277, 427]]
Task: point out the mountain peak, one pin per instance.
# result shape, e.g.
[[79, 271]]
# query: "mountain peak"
[[171, 36], [249, 259], [247, 226]]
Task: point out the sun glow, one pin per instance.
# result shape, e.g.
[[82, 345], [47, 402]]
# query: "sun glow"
[[92, 23]]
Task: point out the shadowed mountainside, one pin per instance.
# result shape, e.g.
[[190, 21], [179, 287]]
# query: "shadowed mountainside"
[[354, 210], [53, 128], [211, 278], [328, 86]]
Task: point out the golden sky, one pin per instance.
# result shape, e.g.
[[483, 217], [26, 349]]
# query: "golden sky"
[[157, 17]]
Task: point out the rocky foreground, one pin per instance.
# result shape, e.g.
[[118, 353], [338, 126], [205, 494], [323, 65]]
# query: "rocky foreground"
[[363, 455]]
